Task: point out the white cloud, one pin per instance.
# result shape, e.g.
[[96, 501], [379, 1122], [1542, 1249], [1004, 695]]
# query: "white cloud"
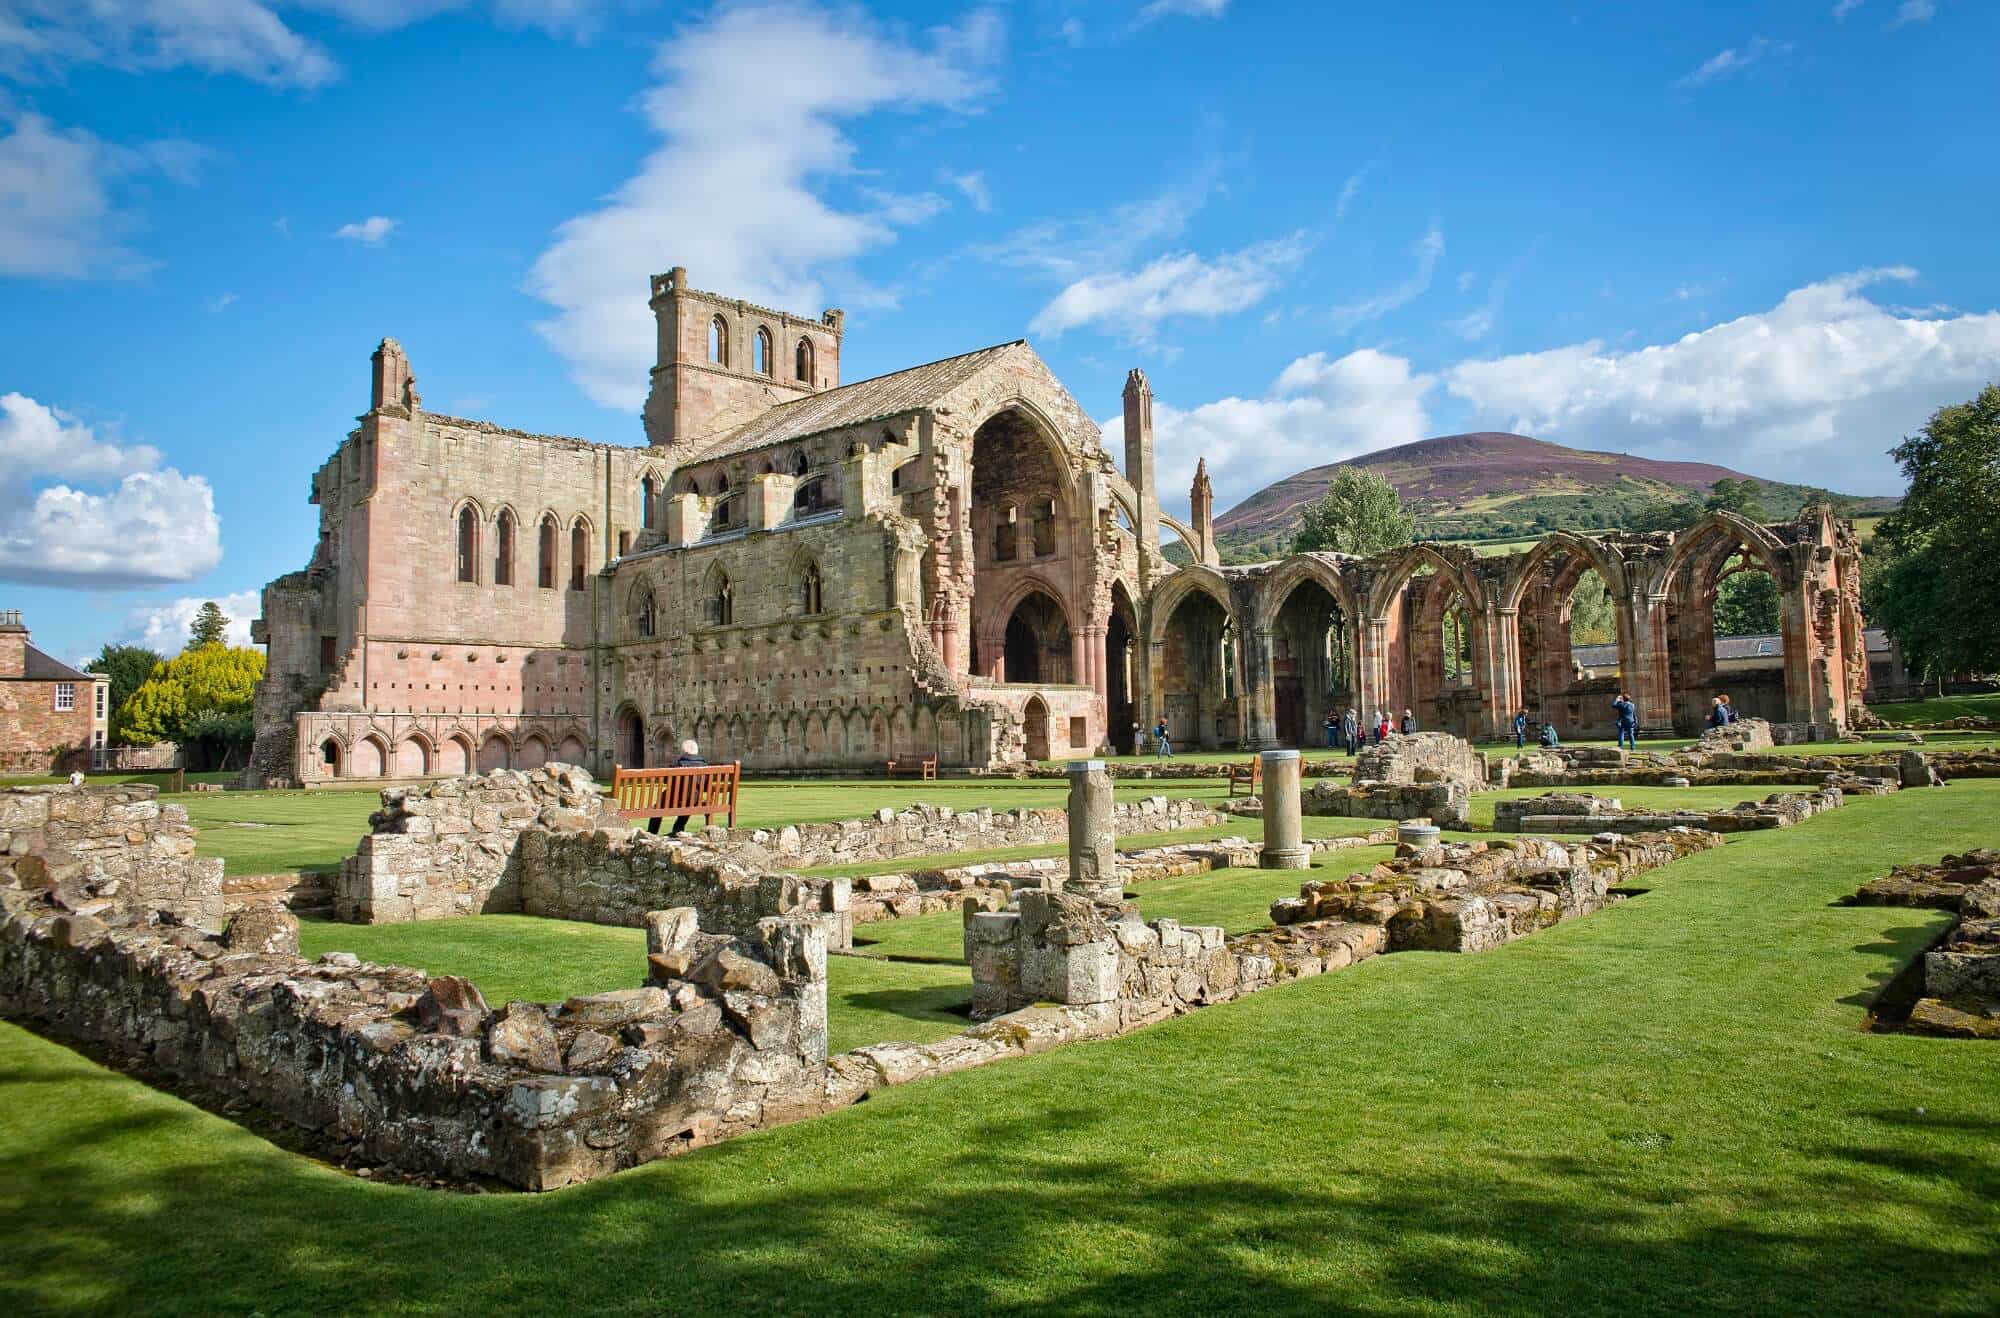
[[1815, 389], [241, 37], [1476, 324], [373, 230], [1428, 249], [740, 199], [153, 524], [1733, 60], [1097, 241], [1132, 305], [1844, 8], [58, 215], [1317, 411], [973, 185], [1072, 31], [1159, 9], [164, 627], [1915, 11], [1350, 190], [220, 302]]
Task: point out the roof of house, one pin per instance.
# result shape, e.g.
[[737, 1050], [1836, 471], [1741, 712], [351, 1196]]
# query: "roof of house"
[[42, 667], [1766, 645], [852, 404]]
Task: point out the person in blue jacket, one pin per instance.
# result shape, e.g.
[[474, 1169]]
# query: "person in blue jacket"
[[1520, 729], [1628, 721]]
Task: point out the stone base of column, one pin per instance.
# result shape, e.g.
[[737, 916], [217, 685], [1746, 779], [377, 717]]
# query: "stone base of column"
[[1285, 858]]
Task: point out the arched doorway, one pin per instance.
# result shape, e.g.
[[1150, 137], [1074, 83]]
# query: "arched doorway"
[[1020, 527], [1037, 643], [631, 740], [1036, 717], [1731, 628], [329, 758], [1198, 685], [1121, 655], [1312, 662]]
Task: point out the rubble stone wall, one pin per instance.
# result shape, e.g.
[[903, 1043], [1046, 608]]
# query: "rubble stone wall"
[[1961, 975], [1446, 804], [1560, 812], [419, 1073], [1421, 757], [111, 848]]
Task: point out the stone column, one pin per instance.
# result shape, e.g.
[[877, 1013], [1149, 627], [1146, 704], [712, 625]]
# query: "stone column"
[[1284, 841], [1093, 834], [1260, 721]]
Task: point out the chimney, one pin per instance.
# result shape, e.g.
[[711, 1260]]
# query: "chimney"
[[13, 644]]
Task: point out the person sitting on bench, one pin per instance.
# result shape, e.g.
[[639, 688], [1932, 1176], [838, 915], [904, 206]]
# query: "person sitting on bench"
[[690, 759]]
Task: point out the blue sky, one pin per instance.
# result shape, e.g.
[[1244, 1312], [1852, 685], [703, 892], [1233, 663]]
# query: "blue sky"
[[1760, 234]]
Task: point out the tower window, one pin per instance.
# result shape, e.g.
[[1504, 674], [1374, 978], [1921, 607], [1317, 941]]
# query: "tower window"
[[468, 544], [762, 360], [718, 342], [802, 361]]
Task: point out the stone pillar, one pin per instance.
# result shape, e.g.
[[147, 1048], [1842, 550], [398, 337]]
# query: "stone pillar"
[[1644, 665], [1260, 717], [1093, 834], [1284, 841]]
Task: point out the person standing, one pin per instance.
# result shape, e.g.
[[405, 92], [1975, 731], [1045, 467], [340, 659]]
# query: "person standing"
[[1165, 748], [1332, 727], [1628, 721], [1409, 726], [1520, 729], [690, 758], [1350, 730]]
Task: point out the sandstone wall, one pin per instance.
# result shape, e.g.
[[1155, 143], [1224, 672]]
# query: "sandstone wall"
[[1584, 813], [1446, 804], [385, 1066], [108, 848], [1421, 757]]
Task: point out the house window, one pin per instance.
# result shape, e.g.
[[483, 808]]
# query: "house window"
[[103, 698], [65, 695]]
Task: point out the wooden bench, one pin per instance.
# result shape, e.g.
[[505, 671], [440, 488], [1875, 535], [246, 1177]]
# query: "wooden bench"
[[1250, 776], [707, 790], [925, 768]]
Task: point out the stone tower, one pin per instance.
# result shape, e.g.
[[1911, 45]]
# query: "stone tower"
[[721, 361], [1139, 471], [1201, 513]]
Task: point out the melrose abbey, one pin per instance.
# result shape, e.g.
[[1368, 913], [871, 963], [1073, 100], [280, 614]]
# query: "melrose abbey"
[[803, 574]]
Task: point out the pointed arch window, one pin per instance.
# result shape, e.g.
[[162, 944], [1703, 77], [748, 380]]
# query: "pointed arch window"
[[468, 544], [579, 553], [645, 616], [503, 548], [718, 341], [545, 575], [812, 593], [802, 361], [721, 600], [762, 360], [810, 497], [648, 499]]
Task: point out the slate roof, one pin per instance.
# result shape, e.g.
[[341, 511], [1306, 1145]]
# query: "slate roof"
[[851, 404], [46, 668], [1767, 646]]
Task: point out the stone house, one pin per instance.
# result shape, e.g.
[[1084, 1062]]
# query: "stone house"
[[53, 718]]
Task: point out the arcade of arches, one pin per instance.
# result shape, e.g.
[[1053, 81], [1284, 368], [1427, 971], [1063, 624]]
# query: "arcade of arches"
[[1259, 655]]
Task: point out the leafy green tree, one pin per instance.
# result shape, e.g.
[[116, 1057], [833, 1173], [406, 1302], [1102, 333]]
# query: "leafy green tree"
[[210, 626], [1742, 497], [1666, 515], [210, 679], [1932, 581], [1593, 620], [1746, 604], [225, 738], [127, 666], [1360, 513]]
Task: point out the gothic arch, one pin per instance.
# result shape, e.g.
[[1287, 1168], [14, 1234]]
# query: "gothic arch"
[[1170, 594], [1323, 569], [1753, 539], [1402, 563], [415, 756], [1044, 428], [532, 753], [1606, 563]]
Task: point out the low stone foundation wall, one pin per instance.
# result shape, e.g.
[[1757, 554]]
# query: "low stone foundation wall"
[[1561, 812], [302, 892], [930, 830], [1468, 896], [615, 876], [1446, 804], [1421, 757], [1961, 976], [109, 848], [420, 1074]]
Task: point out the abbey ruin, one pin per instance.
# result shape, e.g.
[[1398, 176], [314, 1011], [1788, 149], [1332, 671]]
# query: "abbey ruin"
[[944, 560]]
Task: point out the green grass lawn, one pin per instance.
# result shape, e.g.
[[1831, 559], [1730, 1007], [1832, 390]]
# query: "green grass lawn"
[[1939, 708], [1669, 1106]]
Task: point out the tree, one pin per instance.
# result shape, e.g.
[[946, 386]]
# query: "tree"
[[1593, 618], [127, 666], [1666, 515], [1933, 583], [1742, 497], [1746, 604], [221, 735], [1360, 513], [210, 626], [210, 679]]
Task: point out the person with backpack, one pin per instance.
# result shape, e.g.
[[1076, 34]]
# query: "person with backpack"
[[1165, 748], [1628, 721]]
